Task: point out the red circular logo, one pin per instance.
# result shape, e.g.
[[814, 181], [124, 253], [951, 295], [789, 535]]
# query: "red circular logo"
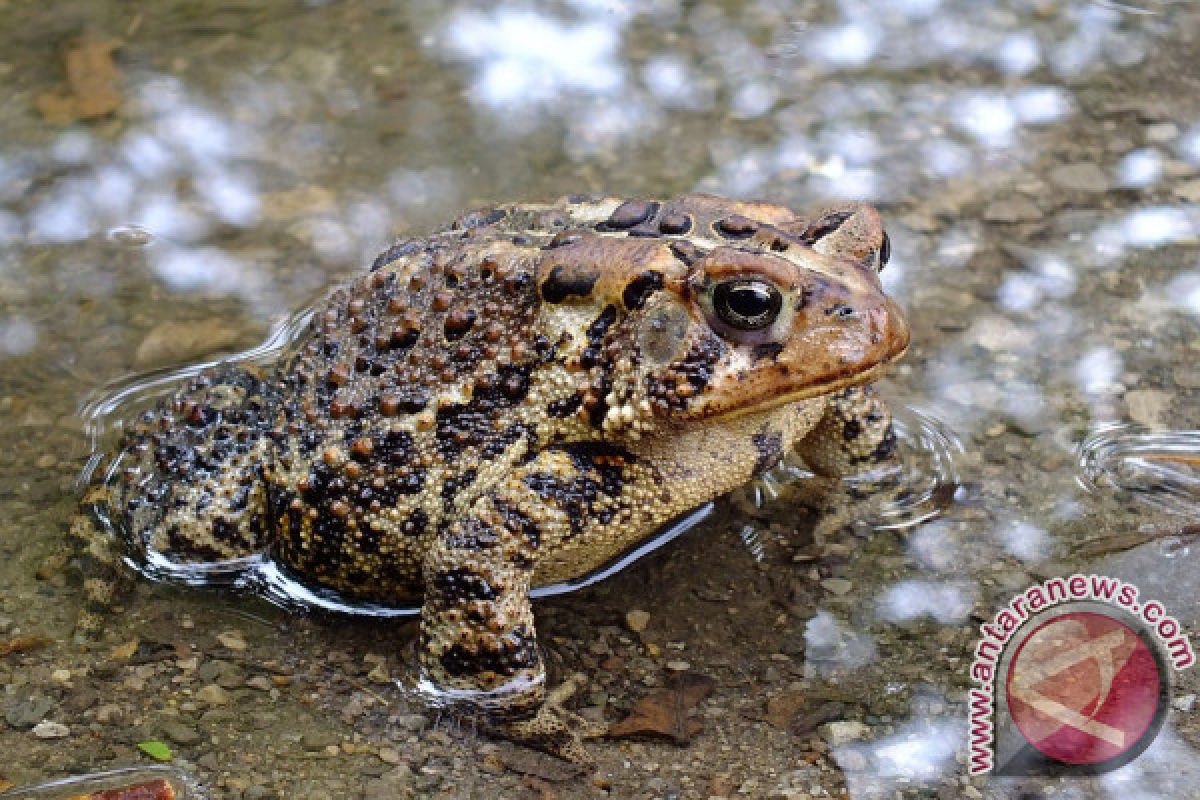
[[1083, 688]]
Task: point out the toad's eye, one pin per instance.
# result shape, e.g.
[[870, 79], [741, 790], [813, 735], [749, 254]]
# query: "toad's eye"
[[885, 251], [747, 304]]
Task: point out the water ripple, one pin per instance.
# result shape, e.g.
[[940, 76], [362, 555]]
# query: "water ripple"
[[1160, 468]]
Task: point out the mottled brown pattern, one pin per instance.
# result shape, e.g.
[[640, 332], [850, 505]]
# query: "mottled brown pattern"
[[514, 402]]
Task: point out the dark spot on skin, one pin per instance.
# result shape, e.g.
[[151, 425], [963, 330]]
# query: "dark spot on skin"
[[415, 524], [567, 406], [686, 252], [521, 240], [461, 584], [736, 226], [458, 322], [398, 250], [562, 283], [644, 231], [851, 428], [628, 214], [640, 288], [769, 448], [824, 226], [768, 350], [589, 494], [675, 223], [886, 449], [479, 219], [505, 654]]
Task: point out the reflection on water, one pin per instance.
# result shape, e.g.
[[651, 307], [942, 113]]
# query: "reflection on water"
[[1159, 468], [1038, 165]]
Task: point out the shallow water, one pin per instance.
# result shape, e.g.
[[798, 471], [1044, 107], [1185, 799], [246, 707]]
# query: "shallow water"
[[1038, 165]]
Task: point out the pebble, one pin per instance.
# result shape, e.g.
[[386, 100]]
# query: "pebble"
[[1080, 178], [1161, 132], [46, 461], [212, 695], [838, 586], [413, 723], [1148, 406], [1012, 209], [318, 740], [50, 730], [1184, 703], [389, 755], [179, 733], [232, 640], [1188, 190], [177, 342], [841, 731], [678, 666], [637, 620], [260, 682]]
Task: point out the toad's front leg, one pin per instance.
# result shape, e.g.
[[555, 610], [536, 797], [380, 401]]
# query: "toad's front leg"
[[479, 649]]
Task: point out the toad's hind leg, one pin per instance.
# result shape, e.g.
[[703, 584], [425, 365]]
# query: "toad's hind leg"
[[187, 488]]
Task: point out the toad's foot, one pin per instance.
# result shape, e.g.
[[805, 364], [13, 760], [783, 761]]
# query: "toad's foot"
[[555, 729]]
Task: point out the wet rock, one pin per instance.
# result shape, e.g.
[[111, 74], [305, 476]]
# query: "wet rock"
[[179, 733], [25, 712], [398, 783], [837, 586], [1012, 209], [319, 740], [1188, 190], [232, 640], [212, 695], [412, 723], [843, 731], [1161, 132], [637, 620], [852, 761], [1184, 703], [1080, 178], [1148, 406], [51, 730], [178, 342], [1187, 376]]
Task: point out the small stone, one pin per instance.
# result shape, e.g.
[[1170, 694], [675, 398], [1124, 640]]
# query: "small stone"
[[179, 733], [841, 731], [28, 711], [1148, 406], [212, 695], [1012, 209], [837, 586], [232, 640], [678, 666], [61, 676], [379, 674], [1184, 703], [46, 461], [389, 755], [1080, 178], [637, 620], [1187, 376], [260, 682], [1161, 132], [51, 730], [1188, 190], [413, 723], [319, 740], [178, 342]]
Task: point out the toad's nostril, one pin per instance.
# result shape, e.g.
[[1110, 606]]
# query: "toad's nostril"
[[840, 310]]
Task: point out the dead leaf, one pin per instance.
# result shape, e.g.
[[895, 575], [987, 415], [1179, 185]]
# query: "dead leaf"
[[22, 644], [92, 88], [665, 712], [6, 785]]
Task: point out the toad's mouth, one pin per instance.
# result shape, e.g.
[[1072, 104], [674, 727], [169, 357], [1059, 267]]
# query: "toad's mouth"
[[810, 391]]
